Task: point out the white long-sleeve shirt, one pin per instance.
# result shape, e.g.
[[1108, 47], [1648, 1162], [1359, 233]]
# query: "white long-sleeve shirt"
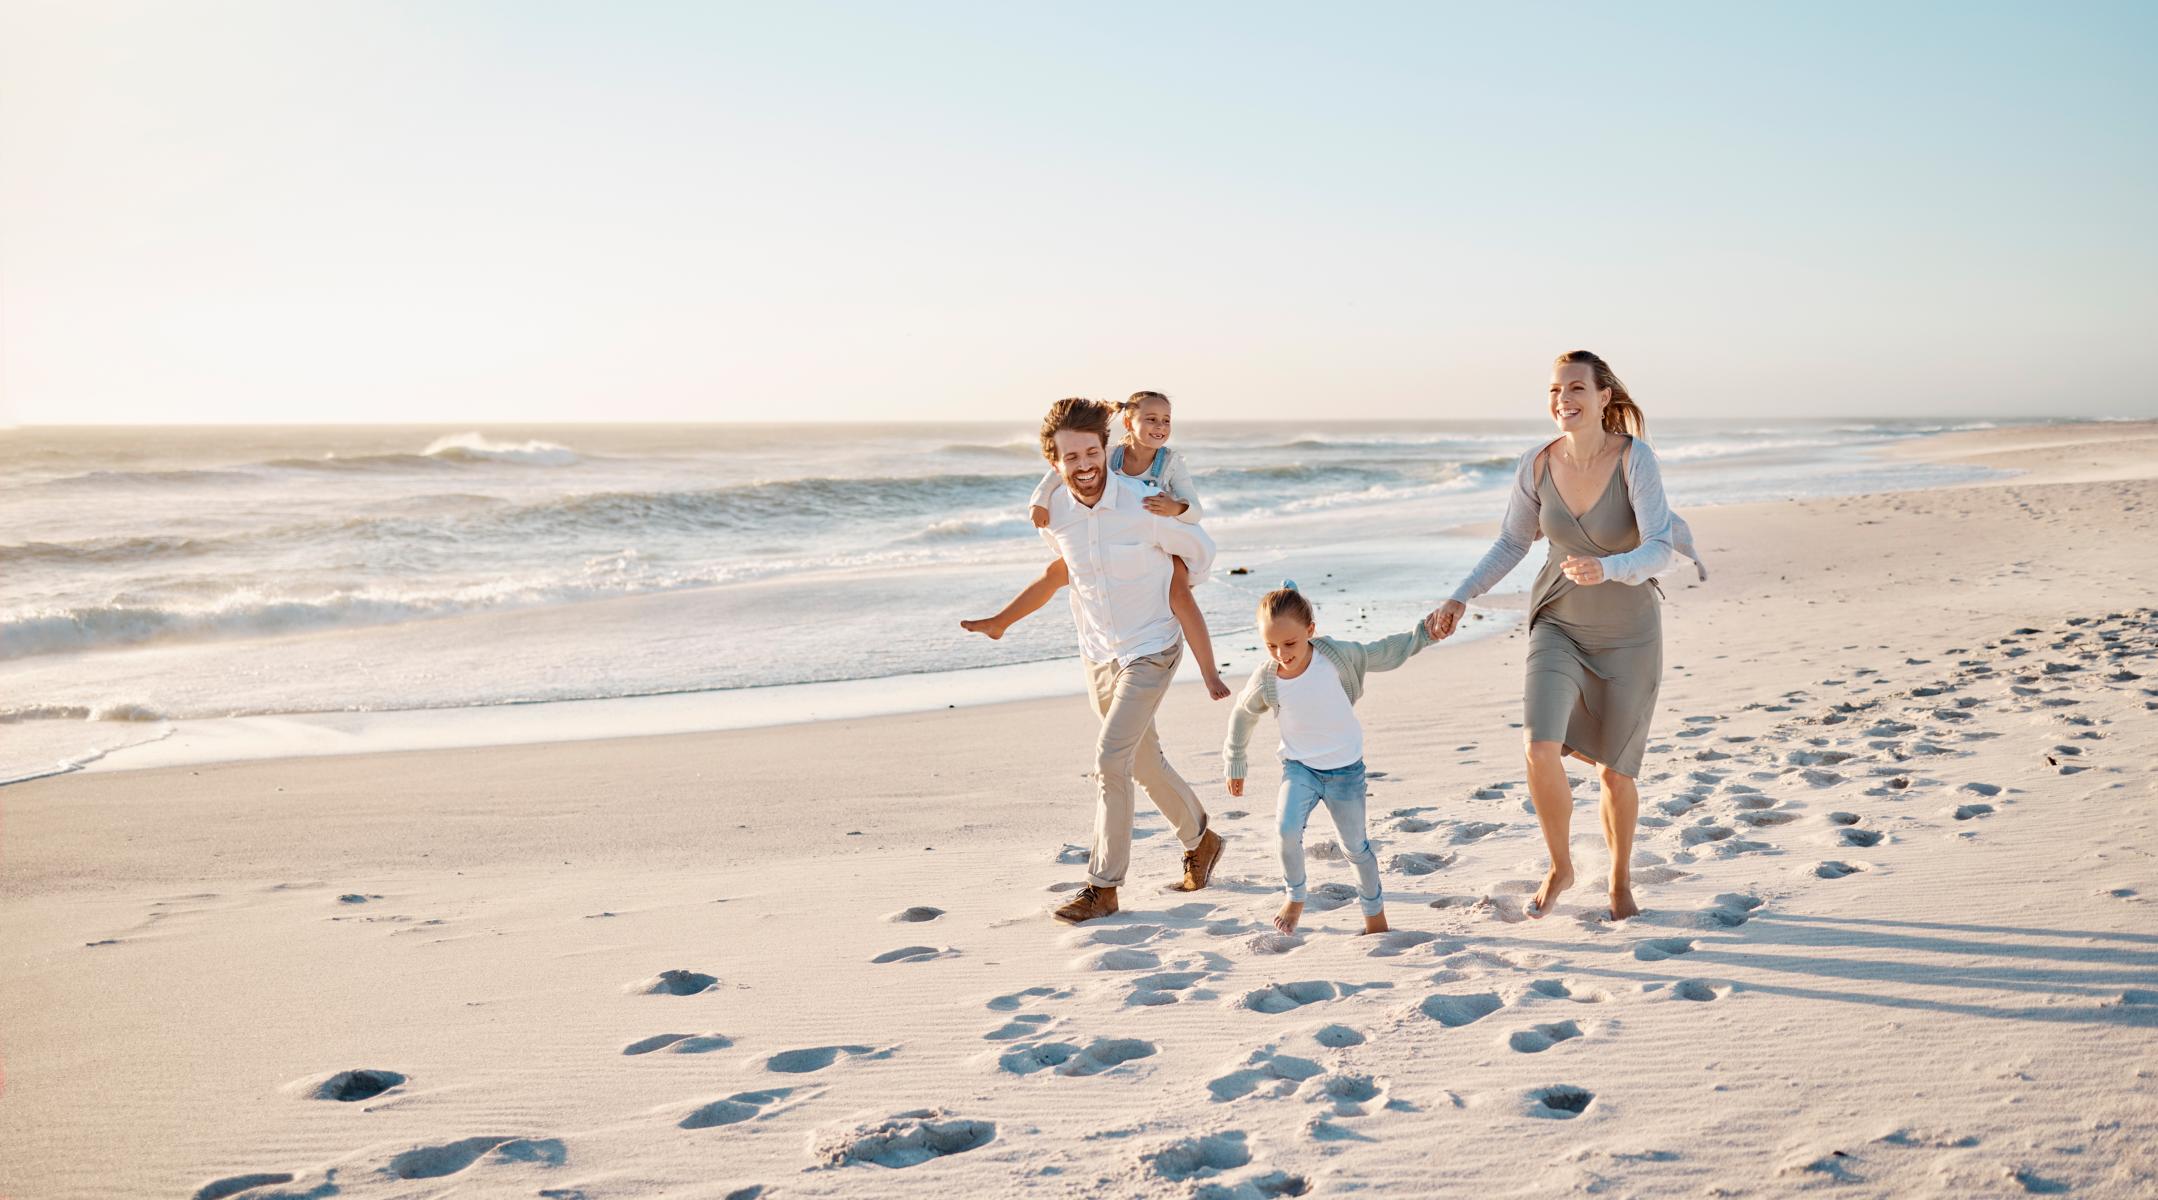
[[1175, 482], [1664, 534], [1119, 555]]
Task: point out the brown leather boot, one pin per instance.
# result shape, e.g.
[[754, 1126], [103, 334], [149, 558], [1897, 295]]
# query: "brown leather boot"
[[1199, 862], [1091, 902]]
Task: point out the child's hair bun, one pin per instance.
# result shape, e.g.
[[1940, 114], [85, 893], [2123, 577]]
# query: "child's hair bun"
[[1288, 585]]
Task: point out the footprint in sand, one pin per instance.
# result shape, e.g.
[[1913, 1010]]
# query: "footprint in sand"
[[1119, 935], [1752, 802], [1416, 862], [1699, 990], [346, 1086], [1023, 1025], [1125, 958], [233, 1185], [1559, 989], [1538, 1038], [679, 1043], [674, 983], [1859, 837], [915, 915], [817, 1058], [1285, 997], [1398, 942], [1966, 812], [1561, 1102], [1695, 835], [1763, 820], [1199, 1157], [1833, 869], [1469, 831], [913, 954], [1982, 789], [1658, 949], [1162, 987], [1013, 1001], [1347, 1093], [1329, 896], [1274, 943], [1098, 1056], [1454, 1011], [1337, 1037], [1843, 818], [1265, 1074], [906, 1140], [434, 1162], [1729, 910], [733, 1110]]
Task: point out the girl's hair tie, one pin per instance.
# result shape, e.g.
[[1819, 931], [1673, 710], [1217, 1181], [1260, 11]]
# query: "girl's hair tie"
[[1289, 584]]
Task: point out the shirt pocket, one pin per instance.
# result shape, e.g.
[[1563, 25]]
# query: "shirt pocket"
[[1128, 564]]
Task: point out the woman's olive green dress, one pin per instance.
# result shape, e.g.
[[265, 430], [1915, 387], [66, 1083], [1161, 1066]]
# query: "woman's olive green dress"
[[1595, 653]]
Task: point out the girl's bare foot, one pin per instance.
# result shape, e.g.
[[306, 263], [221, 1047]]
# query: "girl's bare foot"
[[1290, 914], [1622, 905], [987, 627], [1215, 688], [1375, 923], [1556, 880]]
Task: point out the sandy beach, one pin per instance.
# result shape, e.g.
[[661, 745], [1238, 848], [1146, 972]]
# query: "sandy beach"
[[1898, 859]]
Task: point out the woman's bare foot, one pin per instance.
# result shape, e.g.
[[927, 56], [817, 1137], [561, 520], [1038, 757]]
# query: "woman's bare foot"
[[1375, 923], [1290, 914], [1556, 880], [987, 627], [1215, 688], [1622, 905]]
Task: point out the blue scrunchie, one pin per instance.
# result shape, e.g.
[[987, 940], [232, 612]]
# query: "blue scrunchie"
[[1289, 584]]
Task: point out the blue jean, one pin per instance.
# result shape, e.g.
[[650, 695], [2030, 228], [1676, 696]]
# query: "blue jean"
[[1342, 789]]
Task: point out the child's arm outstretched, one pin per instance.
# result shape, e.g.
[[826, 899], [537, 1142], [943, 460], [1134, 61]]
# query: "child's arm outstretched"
[[1242, 719], [1388, 653]]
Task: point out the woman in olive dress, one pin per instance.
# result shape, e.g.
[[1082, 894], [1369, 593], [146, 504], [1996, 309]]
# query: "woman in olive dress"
[[1595, 614]]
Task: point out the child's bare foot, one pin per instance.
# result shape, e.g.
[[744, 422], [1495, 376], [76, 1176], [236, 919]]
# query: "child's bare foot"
[[987, 627], [1556, 880], [1215, 688], [1375, 923], [1290, 914], [1622, 905]]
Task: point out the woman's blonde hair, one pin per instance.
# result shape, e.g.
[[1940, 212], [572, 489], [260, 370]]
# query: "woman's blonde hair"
[[1622, 414]]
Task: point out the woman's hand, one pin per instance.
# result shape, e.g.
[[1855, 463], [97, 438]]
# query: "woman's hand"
[[1584, 571], [1163, 506], [1038, 515], [1440, 624], [1236, 787]]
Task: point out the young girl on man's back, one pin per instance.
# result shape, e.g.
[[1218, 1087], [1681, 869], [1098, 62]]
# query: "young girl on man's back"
[[1143, 460]]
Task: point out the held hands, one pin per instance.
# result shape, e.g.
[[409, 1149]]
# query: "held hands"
[[1038, 515], [1440, 624], [1584, 571], [1163, 506], [1236, 787]]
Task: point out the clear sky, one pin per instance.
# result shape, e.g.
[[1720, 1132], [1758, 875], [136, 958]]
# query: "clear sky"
[[450, 210]]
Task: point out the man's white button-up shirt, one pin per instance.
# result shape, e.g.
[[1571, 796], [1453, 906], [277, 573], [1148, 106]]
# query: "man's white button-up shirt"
[[1119, 555]]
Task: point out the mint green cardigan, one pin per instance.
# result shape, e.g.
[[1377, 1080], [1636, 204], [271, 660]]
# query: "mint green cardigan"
[[1351, 659]]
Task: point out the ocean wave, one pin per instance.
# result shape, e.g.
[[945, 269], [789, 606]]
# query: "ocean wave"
[[105, 550], [116, 711], [472, 447]]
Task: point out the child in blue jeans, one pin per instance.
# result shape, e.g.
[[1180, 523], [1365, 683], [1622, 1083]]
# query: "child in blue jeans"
[[1322, 742]]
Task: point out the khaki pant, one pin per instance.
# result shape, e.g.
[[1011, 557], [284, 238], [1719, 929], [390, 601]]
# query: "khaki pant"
[[1129, 751]]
